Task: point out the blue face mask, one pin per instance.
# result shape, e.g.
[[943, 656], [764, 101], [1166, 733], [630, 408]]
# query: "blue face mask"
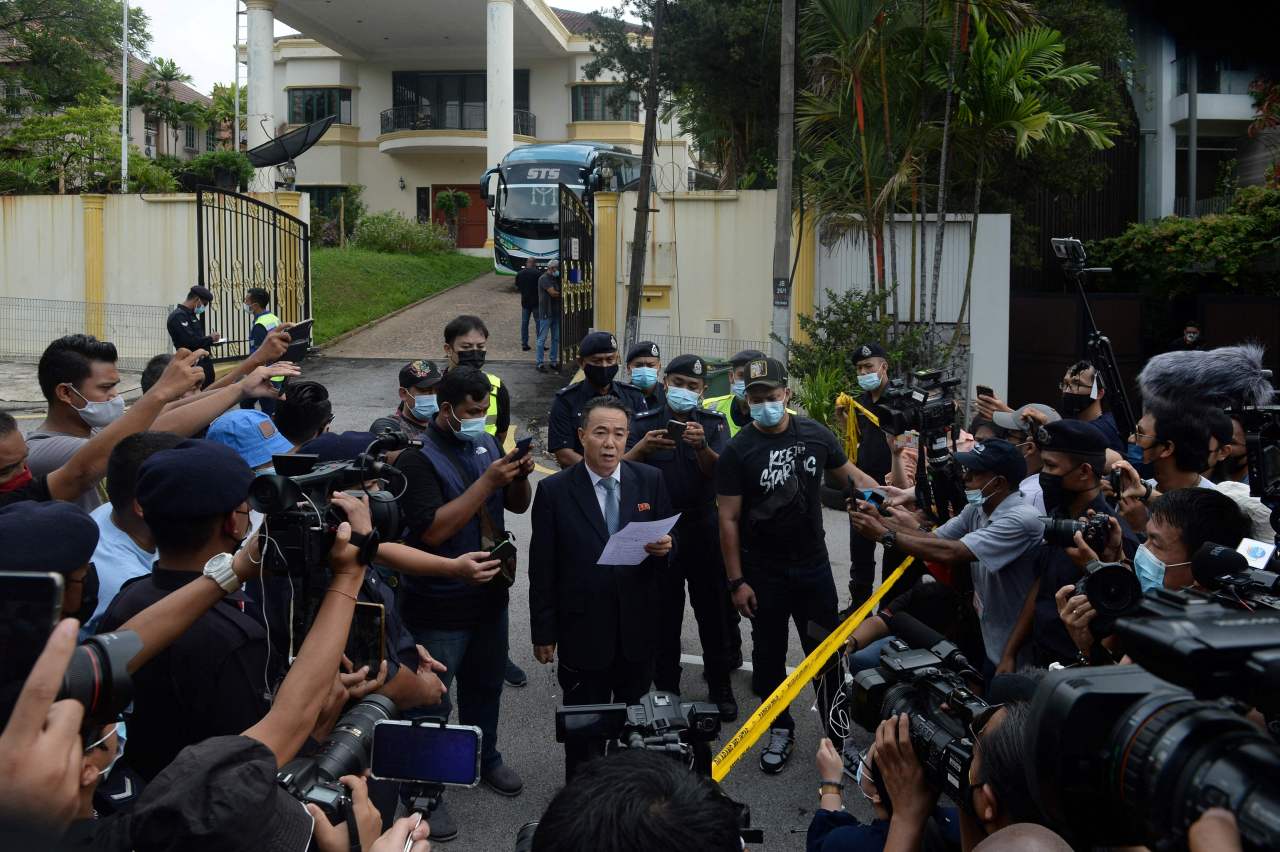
[[869, 381], [976, 496], [768, 414], [1151, 570], [681, 399], [267, 471], [644, 377], [739, 388], [200, 309], [1133, 453], [468, 430], [425, 406]]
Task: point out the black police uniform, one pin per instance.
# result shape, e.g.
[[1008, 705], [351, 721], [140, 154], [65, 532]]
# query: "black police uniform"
[[698, 558], [186, 330], [562, 426], [875, 459]]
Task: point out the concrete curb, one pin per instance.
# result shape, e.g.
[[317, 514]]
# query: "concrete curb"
[[375, 323]]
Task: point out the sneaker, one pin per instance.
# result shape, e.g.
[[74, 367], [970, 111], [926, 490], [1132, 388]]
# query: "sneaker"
[[542, 368], [735, 659], [515, 675], [721, 695], [555, 368], [778, 751], [443, 828], [503, 780]]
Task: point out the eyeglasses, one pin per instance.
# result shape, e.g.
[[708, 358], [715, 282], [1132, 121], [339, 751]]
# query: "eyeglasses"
[[1138, 436]]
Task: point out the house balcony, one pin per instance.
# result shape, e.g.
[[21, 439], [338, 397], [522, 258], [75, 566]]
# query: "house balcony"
[[416, 129]]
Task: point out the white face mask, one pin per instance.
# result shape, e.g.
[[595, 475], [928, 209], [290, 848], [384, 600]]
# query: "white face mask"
[[98, 415]]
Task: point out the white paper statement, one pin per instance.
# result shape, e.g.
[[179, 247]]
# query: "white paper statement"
[[626, 546]]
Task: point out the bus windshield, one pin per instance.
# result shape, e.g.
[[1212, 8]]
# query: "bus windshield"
[[533, 202]]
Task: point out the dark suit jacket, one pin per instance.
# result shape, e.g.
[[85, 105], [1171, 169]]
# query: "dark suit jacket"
[[590, 610]]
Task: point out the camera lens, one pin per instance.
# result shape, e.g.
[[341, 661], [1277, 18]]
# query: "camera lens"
[[1060, 532], [98, 674], [1112, 589], [346, 752]]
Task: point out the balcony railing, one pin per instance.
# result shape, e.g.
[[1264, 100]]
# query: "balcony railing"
[[466, 117], [1214, 76]]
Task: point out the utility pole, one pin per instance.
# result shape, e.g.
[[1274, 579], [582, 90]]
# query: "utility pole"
[[235, 88], [639, 236], [124, 101], [781, 325]]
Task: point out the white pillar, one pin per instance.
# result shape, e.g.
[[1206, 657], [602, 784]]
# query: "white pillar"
[[261, 83], [500, 77]]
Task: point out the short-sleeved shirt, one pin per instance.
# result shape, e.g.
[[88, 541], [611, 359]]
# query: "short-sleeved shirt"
[[214, 680], [548, 305], [875, 459], [691, 490], [527, 284], [562, 423], [37, 489], [1032, 493], [1005, 568], [779, 478], [408, 425], [48, 451], [117, 560]]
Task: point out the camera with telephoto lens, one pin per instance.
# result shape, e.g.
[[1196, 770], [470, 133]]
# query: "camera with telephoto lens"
[[932, 686], [1061, 532], [1150, 749], [314, 780]]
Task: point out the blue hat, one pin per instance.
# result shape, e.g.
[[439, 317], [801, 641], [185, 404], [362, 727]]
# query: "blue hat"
[[643, 349], [337, 446], [52, 536], [997, 456], [688, 365], [870, 349], [251, 434], [597, 342], [195, 479], [1072, 436]]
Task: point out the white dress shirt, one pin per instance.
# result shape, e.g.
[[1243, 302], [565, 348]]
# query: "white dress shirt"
[[601, 494]]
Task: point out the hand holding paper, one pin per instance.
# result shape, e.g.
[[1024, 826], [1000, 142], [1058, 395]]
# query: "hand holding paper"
[[632, 544]]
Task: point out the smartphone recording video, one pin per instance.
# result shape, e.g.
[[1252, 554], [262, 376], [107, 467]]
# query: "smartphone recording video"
[[426, 753]]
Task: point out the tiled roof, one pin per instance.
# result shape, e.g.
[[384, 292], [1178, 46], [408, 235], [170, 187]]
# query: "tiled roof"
[[137, 68], [579, 23]]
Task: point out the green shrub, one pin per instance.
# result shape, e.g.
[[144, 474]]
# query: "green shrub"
[[208, 165], [393, 232], [146, 176]]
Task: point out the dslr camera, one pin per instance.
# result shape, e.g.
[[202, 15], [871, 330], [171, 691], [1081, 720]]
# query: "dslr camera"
[[1061, 532]]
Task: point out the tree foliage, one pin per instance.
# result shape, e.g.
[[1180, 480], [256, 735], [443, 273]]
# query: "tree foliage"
[[76, 150], [451, 202], [157, 94]]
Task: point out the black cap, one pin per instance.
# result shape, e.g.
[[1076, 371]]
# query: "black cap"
[[766, 371], [420, 375], [744, 356], [997, 456], [643, 349], [199, 803], [597, 342], [52, 536], [204, 293], [1072, 436], [687, 365], [870, 350], [338, 446], [195, 479]]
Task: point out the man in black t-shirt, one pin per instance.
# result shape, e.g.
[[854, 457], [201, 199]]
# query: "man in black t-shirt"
[[527, 284], [775, 553]]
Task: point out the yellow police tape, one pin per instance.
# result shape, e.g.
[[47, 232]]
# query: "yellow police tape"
[[746, 737]]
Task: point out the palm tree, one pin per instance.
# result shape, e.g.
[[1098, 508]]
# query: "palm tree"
[[155, 92], [222, 112]]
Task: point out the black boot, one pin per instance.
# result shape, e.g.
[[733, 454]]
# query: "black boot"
[[858, 594], [721, 695]]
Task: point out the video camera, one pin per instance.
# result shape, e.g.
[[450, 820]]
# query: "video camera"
[[314, 780], [928, 407], [1261, 426]]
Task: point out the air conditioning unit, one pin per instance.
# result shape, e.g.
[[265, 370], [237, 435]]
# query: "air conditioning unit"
[[719, 329], [148, 151]]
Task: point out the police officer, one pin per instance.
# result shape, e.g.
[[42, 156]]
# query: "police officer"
[[256, 304], [465, 339], [598, 358], [875, 459], [186, 327], [684, 442], [644, 360]]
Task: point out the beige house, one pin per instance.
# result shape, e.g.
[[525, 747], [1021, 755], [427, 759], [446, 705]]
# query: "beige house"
[[151, 135]]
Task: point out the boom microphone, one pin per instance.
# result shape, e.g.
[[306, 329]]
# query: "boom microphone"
[[1213, 561], [919, 635]]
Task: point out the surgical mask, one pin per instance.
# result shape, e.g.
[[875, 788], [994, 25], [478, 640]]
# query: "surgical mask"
[[267, 471], [1133, 453], [1151, 570], [97, 415], [119, 731], [1192, 336], [200, 309], [471, 358], [468, 430], [598, 376], [976, 496], [425, 406], [739, 388], [768, 414], [869, 381], [681, 399], [248, 309], [644, 377], [1074, 403]]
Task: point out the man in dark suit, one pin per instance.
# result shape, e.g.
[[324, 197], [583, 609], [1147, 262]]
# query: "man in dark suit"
[[601, 617]]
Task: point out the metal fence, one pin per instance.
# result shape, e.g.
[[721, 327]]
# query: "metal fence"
[[709, 348], [27, 326]]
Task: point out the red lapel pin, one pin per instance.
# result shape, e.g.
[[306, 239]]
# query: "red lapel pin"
[[642, 507]]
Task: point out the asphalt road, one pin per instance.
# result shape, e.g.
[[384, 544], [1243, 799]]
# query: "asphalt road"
[[782, 805]]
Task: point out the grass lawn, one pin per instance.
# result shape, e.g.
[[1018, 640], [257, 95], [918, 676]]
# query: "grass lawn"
[[351, 287]]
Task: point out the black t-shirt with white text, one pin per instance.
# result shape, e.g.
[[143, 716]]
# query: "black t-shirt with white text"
[[779, 477]]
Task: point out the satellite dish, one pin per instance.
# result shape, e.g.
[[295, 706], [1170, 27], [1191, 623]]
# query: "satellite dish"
[[285, 148]]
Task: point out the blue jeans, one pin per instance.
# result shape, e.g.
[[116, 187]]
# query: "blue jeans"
[[551, 324], [477, 656], [527, 314], [868, 657]]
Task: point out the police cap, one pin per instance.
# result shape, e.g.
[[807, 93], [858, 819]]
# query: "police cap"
[[1072, 436], [194, 479], [688, 365], [202, 293], [643, 349], [744, 356], [596, 343], [338, 446], [46, 536], [870, 350]]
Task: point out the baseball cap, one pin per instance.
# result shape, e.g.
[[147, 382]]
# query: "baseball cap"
[[251, 434], [420, 375], [997, 456], [1018, 420], [195, 479], [768, 372], [46, 536]]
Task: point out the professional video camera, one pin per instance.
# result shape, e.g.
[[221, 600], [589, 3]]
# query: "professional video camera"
[[314, 780], [928, 408], [1262, 446], [933, 687], [1143, 758]]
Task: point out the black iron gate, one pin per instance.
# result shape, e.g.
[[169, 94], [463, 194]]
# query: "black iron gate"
[[241, 243], [577, 273]]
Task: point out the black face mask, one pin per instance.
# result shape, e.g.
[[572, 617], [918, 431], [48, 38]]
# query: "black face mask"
[[471, 358], [1054, 494], [88, 596], [599, 376], [1073, 403]]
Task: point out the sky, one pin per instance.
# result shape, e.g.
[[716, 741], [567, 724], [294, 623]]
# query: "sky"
[[210, 57]]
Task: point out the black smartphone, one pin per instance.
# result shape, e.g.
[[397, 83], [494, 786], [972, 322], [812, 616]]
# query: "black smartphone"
[[505, 548], [522, 448], [366, 640], [30, 606], [983, 390], [301, 330], [425, 753], [675, 429]]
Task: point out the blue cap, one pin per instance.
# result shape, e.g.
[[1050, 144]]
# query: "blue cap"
[[597, 342], [193, 480], [46, 536], [1072, 436], [337, 446], [251, 434], [997, 456]]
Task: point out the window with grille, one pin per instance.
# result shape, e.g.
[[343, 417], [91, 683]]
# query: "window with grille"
[[308, 105]]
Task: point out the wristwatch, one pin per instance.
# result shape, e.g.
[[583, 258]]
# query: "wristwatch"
[[219, 569], [889, 539], [824, 788], [736, 584]]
